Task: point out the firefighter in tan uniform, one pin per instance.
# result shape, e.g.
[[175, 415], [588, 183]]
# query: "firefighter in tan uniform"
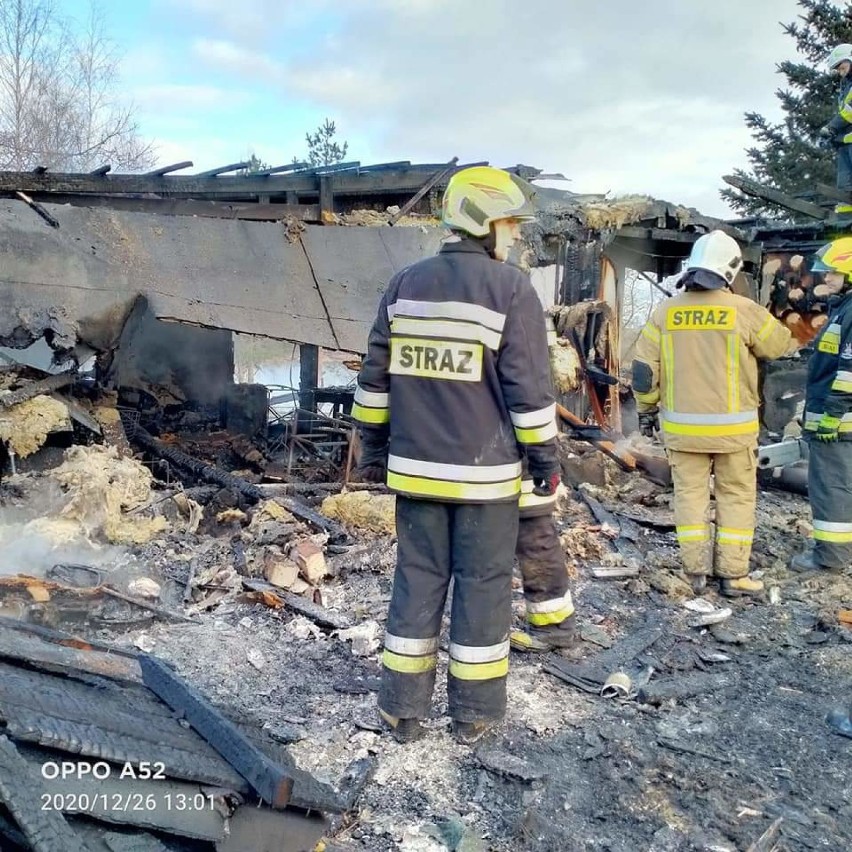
[[696, 365]]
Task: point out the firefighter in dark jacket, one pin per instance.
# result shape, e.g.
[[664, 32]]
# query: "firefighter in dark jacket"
[[456, 377], [838, 132], [828, 420], [551, 622]]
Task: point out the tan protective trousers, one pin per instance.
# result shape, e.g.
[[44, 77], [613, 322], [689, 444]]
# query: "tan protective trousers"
[[736, 494]]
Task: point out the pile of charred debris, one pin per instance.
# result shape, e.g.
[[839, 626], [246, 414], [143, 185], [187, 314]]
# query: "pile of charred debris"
[[190, 631]]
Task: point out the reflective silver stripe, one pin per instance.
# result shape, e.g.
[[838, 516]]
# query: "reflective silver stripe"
[[467, 331], [530, 419], [843, 376], [454, 472], [479, 653], [709, 419], [448, 310], [413, 647], [832, 526], [371, 399], [812, 417], [553, 605]]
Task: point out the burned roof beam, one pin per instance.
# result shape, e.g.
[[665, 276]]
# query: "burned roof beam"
[[101, 170], [275, 170], [775, 196], [350, 181], [221, 170], [164, 170]]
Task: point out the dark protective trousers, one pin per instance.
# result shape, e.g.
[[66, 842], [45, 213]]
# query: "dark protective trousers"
[[545, 579], [474, 545], [844, 167], [830, 494]]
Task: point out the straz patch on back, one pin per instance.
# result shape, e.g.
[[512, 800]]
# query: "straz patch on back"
[[702, 318], [436, 359]]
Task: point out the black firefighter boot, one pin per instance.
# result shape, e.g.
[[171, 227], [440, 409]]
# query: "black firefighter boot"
[[404, 730]]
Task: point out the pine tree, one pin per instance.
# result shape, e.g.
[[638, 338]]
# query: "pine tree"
[[322, 149], [786, 155], [255, 164]]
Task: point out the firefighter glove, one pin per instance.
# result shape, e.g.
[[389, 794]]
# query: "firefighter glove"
[[828, 428], [370, 473], [545, 486], [648, 424]]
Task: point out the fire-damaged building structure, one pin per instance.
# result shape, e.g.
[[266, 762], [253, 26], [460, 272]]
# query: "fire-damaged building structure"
[[134, 286]]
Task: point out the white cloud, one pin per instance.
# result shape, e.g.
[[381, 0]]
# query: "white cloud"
[[231, 57], [168, 96]]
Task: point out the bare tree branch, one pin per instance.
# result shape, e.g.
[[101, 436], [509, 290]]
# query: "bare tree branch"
[[58, 100]]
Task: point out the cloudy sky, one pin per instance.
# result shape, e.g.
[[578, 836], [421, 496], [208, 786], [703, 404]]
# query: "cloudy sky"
[[621, 96]]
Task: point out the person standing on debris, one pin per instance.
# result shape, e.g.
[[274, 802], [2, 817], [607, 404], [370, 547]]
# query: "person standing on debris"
[[828, 419], [455, 378], [551, 622], [838, 132], [696, 362]]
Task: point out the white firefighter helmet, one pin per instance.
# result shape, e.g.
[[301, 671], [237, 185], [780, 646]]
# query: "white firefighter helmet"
[[841, 53], [718, 254]]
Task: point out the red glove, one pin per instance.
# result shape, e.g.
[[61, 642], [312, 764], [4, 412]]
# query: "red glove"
[[546, 487]]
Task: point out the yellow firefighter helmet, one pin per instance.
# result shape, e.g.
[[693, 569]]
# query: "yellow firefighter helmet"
[[835, 256], [478, 196]]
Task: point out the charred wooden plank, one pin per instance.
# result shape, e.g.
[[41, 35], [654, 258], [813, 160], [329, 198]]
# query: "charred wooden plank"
[[269, 781], [250, 210], [435, 179], [164, 170], [209, 473], [92, 741], [775, 196], [21, 791], [51, 383], [318, 614], [38, 209], [65, 655]]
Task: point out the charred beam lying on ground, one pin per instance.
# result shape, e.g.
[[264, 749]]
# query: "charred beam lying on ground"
[[21, 791], [271, 782], [210, 473], [316, 613]]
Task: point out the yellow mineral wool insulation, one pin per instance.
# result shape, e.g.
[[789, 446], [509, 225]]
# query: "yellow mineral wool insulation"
[[615, 213], [565, 367], [25, 426], [363, 510], [103, 488], [267, 511]]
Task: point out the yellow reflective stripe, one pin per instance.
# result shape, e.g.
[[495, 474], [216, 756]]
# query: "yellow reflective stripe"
[[370, 415], [668, 364], [733, 371], [544, 619], [476, 491], [766, 328], [651, 332], [717, 430], [408, 665], [479, 671], [836, 537], [730, 535], [552, 605], [650, 398], [695, 532], [537, 435], [846, 113], [843, 387]]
